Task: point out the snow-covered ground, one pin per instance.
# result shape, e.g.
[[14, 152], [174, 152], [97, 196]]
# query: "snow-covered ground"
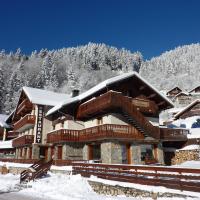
[[74, 187]]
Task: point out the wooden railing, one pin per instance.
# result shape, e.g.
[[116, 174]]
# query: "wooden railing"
[[63, 135], [23, 141], [13, 160], [109, 131], [113, 101], [12, 134], [176, 178], [26, 120], [37, 170], [173, 134], [25, 105], [106, 131]]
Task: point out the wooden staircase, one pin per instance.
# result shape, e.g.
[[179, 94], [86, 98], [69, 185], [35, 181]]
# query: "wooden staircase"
[[115, 101], [37, 170]]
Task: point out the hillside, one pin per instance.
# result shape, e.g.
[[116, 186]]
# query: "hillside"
[[61, 70], [180, 67]]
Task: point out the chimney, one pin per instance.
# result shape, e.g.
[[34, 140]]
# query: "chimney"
[[75, 92]]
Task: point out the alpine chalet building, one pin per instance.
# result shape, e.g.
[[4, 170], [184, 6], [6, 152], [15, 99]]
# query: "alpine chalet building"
[[117, 121]]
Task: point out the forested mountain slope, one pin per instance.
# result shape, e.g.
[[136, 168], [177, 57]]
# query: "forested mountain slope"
[[61, 70], [178, 67]]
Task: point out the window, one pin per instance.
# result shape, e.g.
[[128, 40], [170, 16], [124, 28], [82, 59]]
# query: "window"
[[146, 152], [99, 121]]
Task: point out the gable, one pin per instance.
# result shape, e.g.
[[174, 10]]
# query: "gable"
[[174, 91]]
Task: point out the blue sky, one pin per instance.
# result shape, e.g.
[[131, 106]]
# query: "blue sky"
[[149, 26]]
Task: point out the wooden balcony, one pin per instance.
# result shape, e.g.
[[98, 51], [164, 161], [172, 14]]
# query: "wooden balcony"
[[102, 132], [12, 134], [24, 123], [173, 134], [24, 107], [24, 140], [63, 135], [115, 102]]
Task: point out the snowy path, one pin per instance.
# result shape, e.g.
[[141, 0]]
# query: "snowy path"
[[17, 196]]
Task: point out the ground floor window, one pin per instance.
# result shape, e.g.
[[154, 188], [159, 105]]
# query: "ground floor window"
[[146, 152]]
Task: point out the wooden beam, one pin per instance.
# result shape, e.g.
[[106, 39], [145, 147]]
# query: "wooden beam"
[[161, 103], [152, 95], [142, 87]]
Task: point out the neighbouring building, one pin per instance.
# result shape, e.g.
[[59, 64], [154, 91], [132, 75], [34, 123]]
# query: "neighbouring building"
[[6, 149], [117, 121], [29, 124], [173, 92]]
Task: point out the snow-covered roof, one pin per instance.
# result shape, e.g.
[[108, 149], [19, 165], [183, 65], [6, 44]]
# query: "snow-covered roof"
[[3, 121], [6, 144], [189, 147], [185, 93], [186, 108], [194, 88], [173, 89], [44, 97], [103, 85]]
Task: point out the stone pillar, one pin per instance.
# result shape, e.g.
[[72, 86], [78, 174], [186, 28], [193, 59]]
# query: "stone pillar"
[[49, 154], [27, 153], [135, 154], [35, 151], [85, 152], [17, 153], [160, 154], [55, 152], [23, 153], [111, 153]]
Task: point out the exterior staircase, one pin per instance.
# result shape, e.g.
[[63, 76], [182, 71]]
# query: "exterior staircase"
[[37, 170], [115, 101]]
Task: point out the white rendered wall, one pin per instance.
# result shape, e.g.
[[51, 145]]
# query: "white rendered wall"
[[107, 119]]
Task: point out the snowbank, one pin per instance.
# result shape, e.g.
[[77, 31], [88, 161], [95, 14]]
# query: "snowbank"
[[63, 187], [7, 182], [189, 164], [6, 144]]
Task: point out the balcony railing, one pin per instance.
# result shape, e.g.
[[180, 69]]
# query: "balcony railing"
[[23, 123], [173, 134], [12, 134], [25, 106], [106, 131], [23, 141], [114, 101]]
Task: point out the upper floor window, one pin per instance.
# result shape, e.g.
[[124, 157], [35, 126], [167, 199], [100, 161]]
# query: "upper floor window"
[[99, 121]]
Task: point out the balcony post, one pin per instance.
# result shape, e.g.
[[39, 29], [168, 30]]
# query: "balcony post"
[[135, 154]]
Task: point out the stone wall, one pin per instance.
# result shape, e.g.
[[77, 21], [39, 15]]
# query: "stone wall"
[[72, 151], [186, 155], [115, 190], [111, 153]]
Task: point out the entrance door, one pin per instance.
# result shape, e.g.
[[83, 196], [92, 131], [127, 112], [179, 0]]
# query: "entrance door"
[[90, 152], [59, 152], [128, 150]]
